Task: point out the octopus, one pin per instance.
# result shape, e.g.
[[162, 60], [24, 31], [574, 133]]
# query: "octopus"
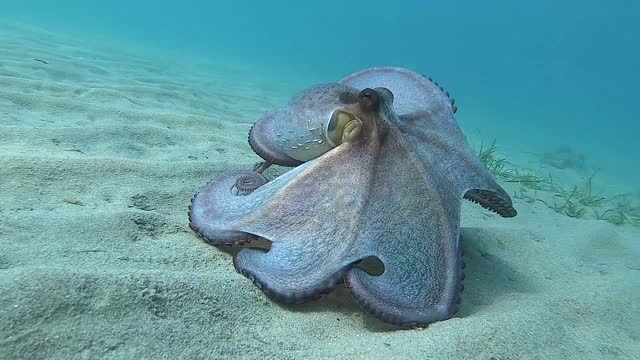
[[379, 168]]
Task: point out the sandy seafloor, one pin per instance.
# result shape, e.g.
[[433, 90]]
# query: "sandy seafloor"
[[101, 151]]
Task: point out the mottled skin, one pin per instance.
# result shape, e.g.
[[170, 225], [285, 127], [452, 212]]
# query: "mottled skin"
[[393, 192], [297, 130]]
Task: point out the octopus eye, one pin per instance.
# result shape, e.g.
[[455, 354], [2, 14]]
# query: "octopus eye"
[[342, 127], [369, 100]]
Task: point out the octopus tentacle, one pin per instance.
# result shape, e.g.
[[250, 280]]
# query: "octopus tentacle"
[[217, 196], [492, 200], [406, 296], [282, 278], [261, 140], [454, 107], [249, 182], [229, 239], [420, 283], [262, 166], [461, 277]]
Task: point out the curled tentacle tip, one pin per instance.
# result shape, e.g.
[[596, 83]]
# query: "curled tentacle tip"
[[248, 183], [262, 166]]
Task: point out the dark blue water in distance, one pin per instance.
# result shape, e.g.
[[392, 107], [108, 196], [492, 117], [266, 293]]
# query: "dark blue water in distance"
[[529, 73]]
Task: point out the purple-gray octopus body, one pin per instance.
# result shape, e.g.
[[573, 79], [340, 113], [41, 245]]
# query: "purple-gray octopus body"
[[380, 167]]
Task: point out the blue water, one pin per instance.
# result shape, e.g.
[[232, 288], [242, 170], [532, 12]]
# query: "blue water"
[[534, 73]]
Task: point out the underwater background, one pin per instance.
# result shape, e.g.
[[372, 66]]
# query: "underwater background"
[[546, 91], [532, 74]]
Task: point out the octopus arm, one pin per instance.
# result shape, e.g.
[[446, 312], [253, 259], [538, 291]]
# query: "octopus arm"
[[412, 226]]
